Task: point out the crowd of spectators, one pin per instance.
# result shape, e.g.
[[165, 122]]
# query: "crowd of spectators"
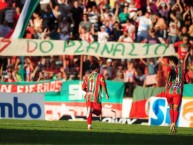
[[127, 21]]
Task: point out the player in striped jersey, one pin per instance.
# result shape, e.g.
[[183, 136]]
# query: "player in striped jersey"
[[174, 88], [93, 85]]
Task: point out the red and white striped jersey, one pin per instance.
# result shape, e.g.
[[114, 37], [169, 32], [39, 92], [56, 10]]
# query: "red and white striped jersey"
[[92, 84]]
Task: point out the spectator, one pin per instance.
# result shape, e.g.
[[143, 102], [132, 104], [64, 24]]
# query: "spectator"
[[188, 60], [130, 28], [119, 74], [160, 26], [28, 67], [190, 71], [108, 27], [164, 10], [85, 23], [5, 29], [90, 3], [102, 36], [187, 17], [64, 26], [173, 31], [124, 16], [17, 14], [107, 15], [116, 32], [105, 72], [10, 76], [132, 9], [77, 13], [105, 4], [190, 32], [56, 12], [37, 22], [93, 17], [182, 47], [183, 32], [64, 9], [9, 14], [86, 36], [152, 67], [145, 24], [109, 68], [49, 19], [177, 10], [129, 78], [17, 67], [41, 76], [160, 78], [153, 39], [140, 4], [59, 76], [126, 37]]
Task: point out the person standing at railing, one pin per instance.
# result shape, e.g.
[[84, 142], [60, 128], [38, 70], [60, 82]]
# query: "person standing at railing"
[[93, 85]]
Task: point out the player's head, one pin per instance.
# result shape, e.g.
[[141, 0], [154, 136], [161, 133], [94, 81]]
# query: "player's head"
[[173, 60], [95, 66]]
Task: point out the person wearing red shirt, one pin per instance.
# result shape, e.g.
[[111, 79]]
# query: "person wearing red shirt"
[[11, 77], [16, 16], [3, 4], [93, 85], [182, 48]]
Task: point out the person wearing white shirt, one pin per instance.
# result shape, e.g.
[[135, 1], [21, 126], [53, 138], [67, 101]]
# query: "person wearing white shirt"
[[126, 38], [145, 24], [102, 35]]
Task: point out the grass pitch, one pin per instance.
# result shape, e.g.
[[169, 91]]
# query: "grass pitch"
[[20, 132]]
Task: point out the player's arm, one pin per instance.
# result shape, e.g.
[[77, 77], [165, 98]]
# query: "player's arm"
[[103, 83], [84, 85], [106, 92], [167, 78]]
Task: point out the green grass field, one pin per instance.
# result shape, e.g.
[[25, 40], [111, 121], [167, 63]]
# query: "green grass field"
[[71, 133]]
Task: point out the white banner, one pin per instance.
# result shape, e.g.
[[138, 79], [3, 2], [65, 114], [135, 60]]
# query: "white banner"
[[159, 112], [57, 110], [33, 47], [22, 106]]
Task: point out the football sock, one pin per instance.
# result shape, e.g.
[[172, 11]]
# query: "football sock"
[[176, 116], [171, 115], [89, 119]]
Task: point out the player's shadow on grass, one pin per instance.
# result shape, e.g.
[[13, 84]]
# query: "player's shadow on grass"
[[88, 137]]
